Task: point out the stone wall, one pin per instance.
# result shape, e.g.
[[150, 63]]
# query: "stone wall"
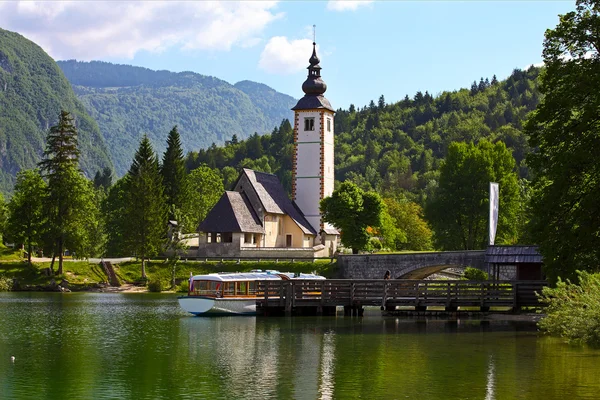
[[406, 265]]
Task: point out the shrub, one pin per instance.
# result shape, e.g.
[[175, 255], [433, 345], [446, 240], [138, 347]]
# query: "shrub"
[[5, 284], [573, 310], [474, 274], [183, 287], [155, 286]]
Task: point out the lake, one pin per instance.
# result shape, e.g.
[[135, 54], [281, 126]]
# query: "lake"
[[142, 346]]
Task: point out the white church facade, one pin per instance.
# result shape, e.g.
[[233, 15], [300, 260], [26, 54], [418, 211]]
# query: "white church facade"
[[257, 218]]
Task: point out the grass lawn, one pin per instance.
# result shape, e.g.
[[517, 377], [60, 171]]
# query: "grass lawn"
[[81, 274]]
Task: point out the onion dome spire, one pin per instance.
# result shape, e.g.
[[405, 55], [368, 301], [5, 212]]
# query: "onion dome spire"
[[314, 85]]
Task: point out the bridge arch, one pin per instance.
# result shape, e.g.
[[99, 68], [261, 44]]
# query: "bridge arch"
[[407, 265]]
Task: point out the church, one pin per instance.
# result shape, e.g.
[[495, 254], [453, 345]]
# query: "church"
[[257, 218]]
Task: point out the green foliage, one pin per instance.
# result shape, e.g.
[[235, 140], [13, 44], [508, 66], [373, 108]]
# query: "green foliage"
[[33, 90], [573, 310], [459, 209], [144, 210], [352, 210], [3, 218], [173, 172], [475, 274], [69, 206], [205, 189], [6, 284], [407, 218], [565, 208], [127, 101], [27, 210], [155, 286]]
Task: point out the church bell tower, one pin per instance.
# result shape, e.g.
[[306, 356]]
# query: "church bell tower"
[[313, 169]]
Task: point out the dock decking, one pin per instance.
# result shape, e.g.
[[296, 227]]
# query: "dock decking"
[[323, 296]]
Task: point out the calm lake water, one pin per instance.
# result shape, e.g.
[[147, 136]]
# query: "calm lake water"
[[141, 346]]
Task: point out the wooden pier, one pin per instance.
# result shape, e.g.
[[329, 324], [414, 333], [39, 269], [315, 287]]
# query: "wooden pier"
[[321, 297]]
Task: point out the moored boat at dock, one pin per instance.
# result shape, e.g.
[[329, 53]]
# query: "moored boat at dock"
[[230, 293]]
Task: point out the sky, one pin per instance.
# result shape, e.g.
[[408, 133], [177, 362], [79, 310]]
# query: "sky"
[[367, 48]]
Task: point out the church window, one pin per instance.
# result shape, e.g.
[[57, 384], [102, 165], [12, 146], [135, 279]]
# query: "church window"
[[309, 124], [328, 125]]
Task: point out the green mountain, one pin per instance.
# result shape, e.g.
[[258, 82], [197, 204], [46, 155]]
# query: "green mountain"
[[33, 90], [128, 102], [396, 149]]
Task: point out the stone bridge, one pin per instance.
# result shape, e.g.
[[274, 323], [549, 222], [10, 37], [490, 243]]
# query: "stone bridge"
[[408, 265]]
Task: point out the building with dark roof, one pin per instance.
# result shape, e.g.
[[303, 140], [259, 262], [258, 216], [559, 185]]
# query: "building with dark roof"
[[257, 218], [522, 263]]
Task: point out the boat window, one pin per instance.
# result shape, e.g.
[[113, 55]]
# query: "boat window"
[[206, 288], [229, 288], [252, 288], [241, 288]]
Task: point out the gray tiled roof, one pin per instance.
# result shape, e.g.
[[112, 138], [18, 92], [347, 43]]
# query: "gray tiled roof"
[[512, 255], [275, 200], [310, 102], [232, 213]]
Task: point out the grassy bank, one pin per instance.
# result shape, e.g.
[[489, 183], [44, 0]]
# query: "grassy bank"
[[82, 275]]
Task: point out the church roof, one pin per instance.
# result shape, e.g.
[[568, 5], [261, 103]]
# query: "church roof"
[[311, 102], [274, 198], [232, 213]]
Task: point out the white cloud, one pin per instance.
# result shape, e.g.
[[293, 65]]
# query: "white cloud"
[[97, 29], [282, 56], [345, 5]]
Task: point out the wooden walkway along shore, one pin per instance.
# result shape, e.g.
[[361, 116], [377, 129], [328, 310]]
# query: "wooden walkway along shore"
[[312, 297]]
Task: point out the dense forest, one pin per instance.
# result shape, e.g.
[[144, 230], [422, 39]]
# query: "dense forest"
[[397, 149], [128, 102], [33, 90]]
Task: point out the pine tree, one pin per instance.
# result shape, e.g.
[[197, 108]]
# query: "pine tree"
[[173, 172], [145, 209], [381, 102], [494, 80], [59, 164]]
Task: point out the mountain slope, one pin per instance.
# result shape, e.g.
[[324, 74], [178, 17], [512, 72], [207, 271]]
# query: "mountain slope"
[[33, 90], [128, 102]]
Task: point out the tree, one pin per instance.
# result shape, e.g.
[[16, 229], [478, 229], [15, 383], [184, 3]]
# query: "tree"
[[173, 172], [206, 188], [352, 210], [381, 102], [145, 209], [459, 209], [26, 210], [60, 166], [408, 218], [3, 217], [113, 209], [565, 130], [103, 179]]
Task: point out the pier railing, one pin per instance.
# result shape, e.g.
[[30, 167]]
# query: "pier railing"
[[390, 293]]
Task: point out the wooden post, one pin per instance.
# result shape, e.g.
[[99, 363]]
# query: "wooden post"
[[288, 298]]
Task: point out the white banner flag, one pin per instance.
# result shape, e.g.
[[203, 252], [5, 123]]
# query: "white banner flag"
[[494, 195]]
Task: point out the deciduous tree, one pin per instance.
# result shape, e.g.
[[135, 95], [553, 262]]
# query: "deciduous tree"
[[459, 209], [565, 129], [352, 210]]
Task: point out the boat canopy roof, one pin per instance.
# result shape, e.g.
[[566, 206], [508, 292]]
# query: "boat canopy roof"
[[254, 276]]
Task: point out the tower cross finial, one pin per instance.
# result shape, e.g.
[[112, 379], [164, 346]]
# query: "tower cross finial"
[[314, 34]]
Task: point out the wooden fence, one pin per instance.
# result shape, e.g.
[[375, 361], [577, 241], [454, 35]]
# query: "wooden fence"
[[390, 293]]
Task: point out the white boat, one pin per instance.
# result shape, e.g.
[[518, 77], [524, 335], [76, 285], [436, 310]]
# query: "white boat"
[[230, 293]]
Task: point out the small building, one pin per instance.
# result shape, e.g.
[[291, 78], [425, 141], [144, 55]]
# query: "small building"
[[522, 263]]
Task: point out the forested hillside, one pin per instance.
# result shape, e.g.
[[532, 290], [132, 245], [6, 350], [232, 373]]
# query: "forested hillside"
[[33, 90], [397, 148], [128, 102]]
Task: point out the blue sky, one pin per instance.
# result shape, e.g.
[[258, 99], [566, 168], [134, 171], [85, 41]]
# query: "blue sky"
[[366, 48]]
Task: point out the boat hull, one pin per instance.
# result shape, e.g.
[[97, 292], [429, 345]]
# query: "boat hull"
[[199, 305]]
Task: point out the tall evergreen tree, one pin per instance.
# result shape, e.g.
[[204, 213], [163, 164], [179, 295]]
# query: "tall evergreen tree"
[[145, 208], [173, 172], [60, 163], [26, 210]]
